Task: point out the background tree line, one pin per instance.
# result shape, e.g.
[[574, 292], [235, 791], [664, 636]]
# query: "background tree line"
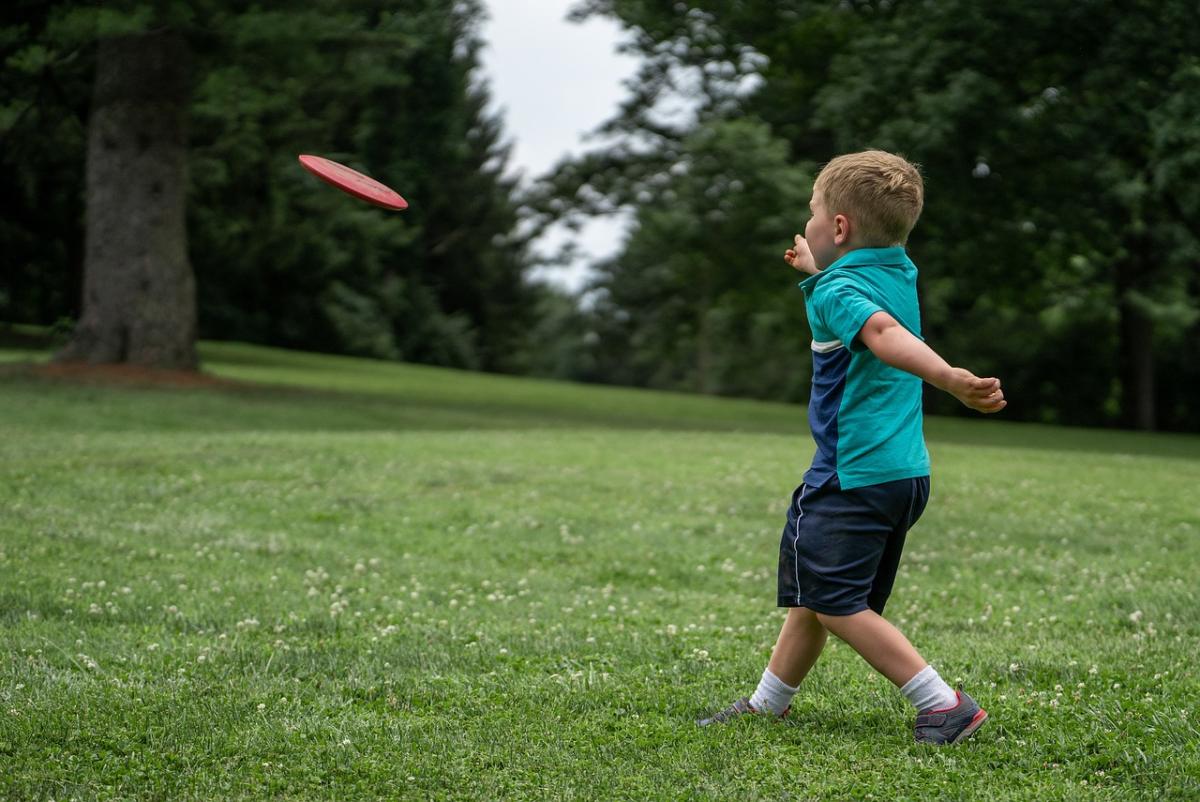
[[1060, 143]]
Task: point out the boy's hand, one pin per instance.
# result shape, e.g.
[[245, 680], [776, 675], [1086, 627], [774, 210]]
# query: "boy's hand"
[[981, 395], [800, 257]]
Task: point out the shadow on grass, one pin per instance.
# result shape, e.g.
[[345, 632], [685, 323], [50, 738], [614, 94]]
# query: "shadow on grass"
[[40, 402], [29, 398]]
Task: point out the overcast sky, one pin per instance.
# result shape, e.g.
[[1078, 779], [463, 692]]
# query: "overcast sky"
[[554, 81]]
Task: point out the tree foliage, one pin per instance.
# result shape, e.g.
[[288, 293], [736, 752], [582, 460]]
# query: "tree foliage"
[[386, 86], [690, 303], [1059, 245]]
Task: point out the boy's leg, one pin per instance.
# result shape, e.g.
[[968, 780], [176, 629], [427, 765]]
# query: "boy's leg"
[[946, 715], [800, 642], [880, 644]]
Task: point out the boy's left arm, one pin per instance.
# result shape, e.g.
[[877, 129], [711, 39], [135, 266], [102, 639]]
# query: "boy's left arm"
[[898, 347]]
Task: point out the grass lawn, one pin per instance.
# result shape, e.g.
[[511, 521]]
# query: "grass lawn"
[[363, 580]]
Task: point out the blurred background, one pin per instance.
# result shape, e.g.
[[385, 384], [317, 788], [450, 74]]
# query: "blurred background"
[[150, 192]]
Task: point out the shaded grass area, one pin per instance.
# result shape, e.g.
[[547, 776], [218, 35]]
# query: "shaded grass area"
[[390, 586], [275, 389]]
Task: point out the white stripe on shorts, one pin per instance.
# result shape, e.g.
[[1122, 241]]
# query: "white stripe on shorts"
[[796, 541]]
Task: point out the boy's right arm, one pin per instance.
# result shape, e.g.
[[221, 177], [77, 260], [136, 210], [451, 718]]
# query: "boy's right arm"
[[896, 346]]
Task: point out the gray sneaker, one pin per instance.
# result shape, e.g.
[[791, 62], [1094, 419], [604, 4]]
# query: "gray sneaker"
[[739, 708], [950, 725]]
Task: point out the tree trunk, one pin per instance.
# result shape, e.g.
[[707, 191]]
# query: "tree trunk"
[[1135, 341], [1137, 368], [139, 293]]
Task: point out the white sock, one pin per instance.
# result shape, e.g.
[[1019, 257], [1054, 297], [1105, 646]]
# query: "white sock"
[[928, 691], [772, 695]]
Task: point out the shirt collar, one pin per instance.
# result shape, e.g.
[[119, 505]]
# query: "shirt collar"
[[894, 256]]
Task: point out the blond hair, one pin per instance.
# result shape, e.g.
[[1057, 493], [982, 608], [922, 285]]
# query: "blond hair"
[[880, 192]]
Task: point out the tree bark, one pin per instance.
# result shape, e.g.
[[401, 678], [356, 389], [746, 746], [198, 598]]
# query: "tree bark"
[[1137, 368], [139, 293], [1135, 341]]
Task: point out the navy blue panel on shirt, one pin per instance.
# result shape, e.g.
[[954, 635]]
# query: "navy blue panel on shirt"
[[829, 382]]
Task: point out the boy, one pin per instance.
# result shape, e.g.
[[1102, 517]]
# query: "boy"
[[869, 479]]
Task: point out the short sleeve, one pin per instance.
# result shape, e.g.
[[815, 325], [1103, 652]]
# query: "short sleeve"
[[843, 308]]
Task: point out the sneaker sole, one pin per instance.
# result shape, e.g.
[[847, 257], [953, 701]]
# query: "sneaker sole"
[[975, 724]]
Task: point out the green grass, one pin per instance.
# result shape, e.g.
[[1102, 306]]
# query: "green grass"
[[362, 580]]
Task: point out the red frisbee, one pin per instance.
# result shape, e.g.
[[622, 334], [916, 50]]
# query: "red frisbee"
[[353, 182]]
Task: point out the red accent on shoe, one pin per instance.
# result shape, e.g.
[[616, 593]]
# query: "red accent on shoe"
[[975, 724]]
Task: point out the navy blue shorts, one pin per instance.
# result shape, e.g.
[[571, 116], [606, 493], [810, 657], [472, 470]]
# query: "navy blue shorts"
[[841, 548]]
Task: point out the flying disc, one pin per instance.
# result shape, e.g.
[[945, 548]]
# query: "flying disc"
[[353, 182]]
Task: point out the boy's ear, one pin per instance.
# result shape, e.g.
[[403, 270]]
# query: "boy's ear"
[[841, 229]]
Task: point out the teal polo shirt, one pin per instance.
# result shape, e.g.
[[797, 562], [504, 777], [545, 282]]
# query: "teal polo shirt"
[[865, 415]]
